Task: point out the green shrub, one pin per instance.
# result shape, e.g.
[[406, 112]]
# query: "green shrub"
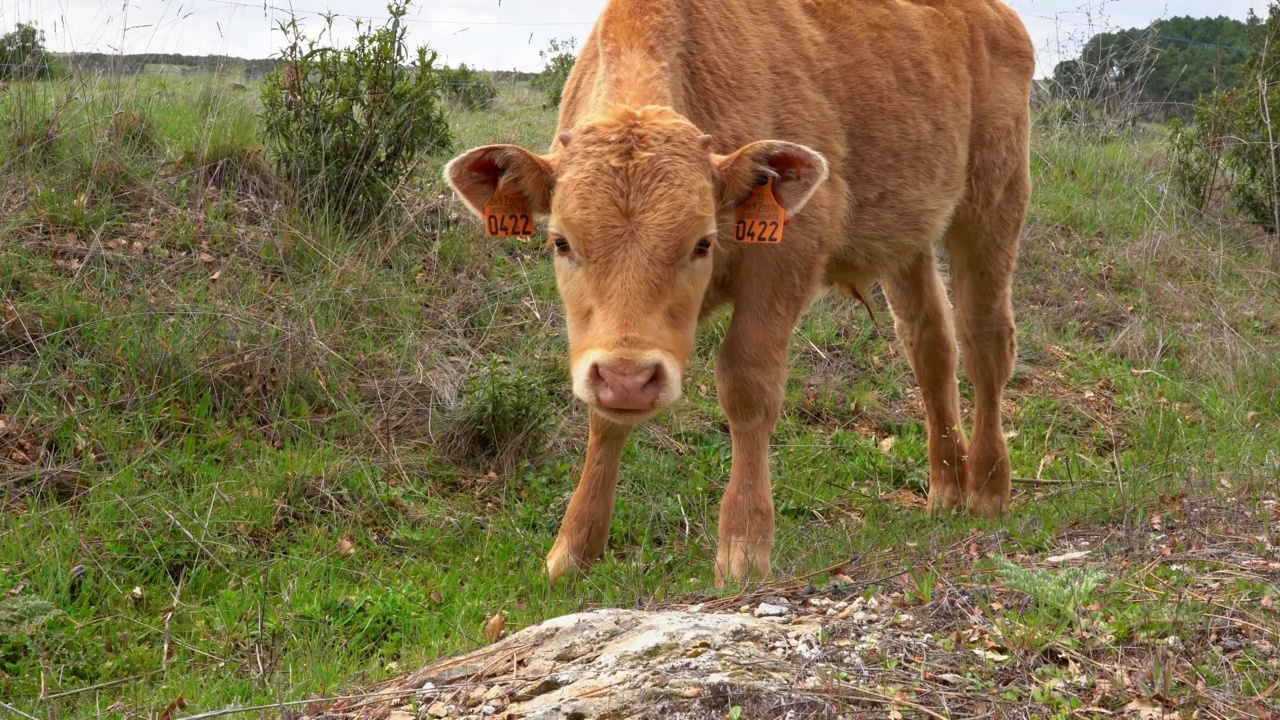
[[346, 124], [1233, 142], [468, 88], [559, 59]]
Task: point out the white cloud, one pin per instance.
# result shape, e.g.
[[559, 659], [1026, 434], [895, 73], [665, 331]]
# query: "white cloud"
[[491, 34]]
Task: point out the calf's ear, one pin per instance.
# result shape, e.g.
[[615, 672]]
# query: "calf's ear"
[[796, 171], [478, 173]]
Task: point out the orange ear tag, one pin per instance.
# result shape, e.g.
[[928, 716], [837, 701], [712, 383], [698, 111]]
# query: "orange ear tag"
[[506, 215], [759, 219]]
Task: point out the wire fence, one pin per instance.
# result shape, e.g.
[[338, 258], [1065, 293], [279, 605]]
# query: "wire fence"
[[1087, 17]]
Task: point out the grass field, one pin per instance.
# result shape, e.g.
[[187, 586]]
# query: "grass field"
[[245, 458]]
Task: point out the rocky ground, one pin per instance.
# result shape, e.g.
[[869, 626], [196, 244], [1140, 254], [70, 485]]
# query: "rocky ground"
[[1039, 640]]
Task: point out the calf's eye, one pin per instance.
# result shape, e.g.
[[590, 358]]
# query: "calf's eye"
[[702, 249]]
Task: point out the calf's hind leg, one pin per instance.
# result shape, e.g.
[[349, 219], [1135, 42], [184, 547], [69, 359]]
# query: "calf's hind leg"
[[983, 244]]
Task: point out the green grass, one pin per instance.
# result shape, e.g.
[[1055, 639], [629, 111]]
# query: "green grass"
[[302, 462]]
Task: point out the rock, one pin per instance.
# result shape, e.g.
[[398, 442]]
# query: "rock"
[[624, 663], [662, 665], [770, 610]]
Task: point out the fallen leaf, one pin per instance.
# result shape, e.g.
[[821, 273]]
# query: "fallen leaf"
[[988, 655], [214, 277], [907, 499], [436, 597], [438, 710], [886, 445], [178, 704], [206, 258], [1065, 557], [1268, 601], [401, 715], [493, 628], [1156, 523], [345, 548], [691, 692], [1145, 709]]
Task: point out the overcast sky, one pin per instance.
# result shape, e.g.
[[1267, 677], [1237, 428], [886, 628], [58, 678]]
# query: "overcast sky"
[[490, 34]]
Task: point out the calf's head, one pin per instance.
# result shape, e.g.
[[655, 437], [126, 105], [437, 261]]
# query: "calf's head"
[[632, 200]]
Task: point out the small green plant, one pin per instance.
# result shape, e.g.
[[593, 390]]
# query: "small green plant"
[[468, 88], [559, 58], [347, 124], [25, 615], [1064, 593]]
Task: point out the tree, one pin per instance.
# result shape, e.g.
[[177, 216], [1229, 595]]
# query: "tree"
[[559, 59], [1171, 61], [23, 55], [1233, 143]]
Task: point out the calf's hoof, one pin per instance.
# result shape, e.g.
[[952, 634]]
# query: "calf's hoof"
[[943, 498], [988, 506], [562, 560], [741, 560]]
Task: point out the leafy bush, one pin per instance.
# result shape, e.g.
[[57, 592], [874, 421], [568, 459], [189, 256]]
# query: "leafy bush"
[[346, 124], [559, 59], [23, 55], [468, 88], [1233, 142]]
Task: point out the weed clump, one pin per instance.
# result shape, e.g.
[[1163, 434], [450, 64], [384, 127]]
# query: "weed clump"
[[501, 421], [134, 132], [230, 166], [346, 125], [35, 142]]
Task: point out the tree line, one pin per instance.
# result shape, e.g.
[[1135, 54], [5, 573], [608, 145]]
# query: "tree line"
[[1172, 61]]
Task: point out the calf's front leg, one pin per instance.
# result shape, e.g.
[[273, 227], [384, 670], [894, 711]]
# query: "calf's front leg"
[[750, 379], [584, 531]]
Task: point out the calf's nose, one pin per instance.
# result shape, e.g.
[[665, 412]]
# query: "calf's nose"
[[625, 386]]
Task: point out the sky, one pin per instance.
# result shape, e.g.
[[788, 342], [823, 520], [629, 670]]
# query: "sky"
[[489, 34]]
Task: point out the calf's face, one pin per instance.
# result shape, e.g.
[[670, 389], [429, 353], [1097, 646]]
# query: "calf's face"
[[633, 201]]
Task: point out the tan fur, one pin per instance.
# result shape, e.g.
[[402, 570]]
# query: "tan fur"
[[886, 125]]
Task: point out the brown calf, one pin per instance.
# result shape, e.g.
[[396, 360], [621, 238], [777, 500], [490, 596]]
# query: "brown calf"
[[879, 127]]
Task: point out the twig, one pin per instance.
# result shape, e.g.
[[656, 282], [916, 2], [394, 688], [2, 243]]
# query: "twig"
[[168, 618], [199, 544], [255, 708], [873, 695], [99, 686], [16, 711], [1043, 481]]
